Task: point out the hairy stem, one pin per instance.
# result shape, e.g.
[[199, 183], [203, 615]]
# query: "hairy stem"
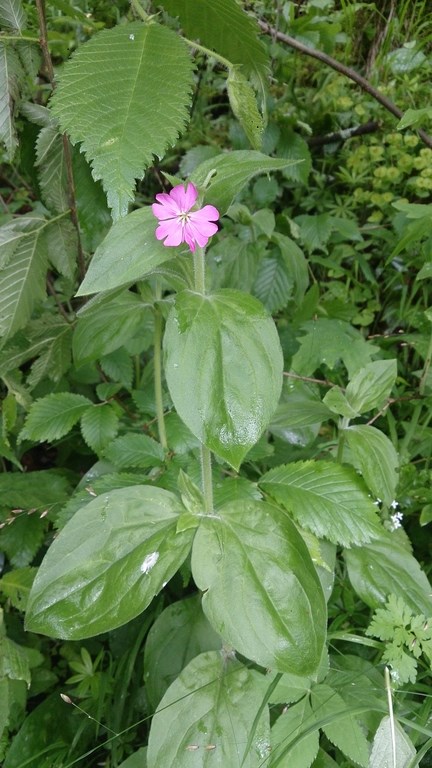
[[157, 362], [206, 467], [40, 5], [338, 67]]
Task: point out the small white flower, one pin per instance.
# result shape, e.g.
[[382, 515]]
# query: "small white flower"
[[396, 520], [131, 37]]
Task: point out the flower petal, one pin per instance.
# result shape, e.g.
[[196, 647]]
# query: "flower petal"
[[164, 212], [202, 225], [209, 212], [184, 198], [172, 230]]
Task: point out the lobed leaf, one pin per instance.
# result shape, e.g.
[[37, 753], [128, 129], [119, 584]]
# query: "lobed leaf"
[[326, 498], [124, 95]]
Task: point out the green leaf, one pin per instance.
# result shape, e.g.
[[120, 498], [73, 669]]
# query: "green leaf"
[[344, 732], [243, 103], [99, 425], [34, 490], [338, 403], [108, 563], [233, 170], [52, 174], [315, 231], [290, 725], [16, 585], [93, 212], [22, 282], [21, 540], [53, 416], [135, 451], [261, 590], [12, 15], [124, 95], [371, 385], [61, 242], [118, 366], [136, 760], [11, 77], [376, 458], [273, 285], [384, 567], [180, 633], [328, 341], [295, 264], [206, 716], [106, 324], [328, 499], [391, 745], [128, 253], [226, 28], [415, 117], [232, 403], [292, 146]]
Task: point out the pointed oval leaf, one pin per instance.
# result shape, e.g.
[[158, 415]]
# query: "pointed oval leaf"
[[104, 327], [108, 563], [128, 253], [224, 349], [124, 95], [244, 105], [391, 746], [343, 731], [385, 567], [53, 416], [328, 499], [289, 727], [206, 716], [99, 425], [232, 171], [262, 592], [180, 633], [371, 385], [376, 458]]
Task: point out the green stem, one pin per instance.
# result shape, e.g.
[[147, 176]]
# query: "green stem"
[[136, 5], [157, 362], [208, 52], [206, 467], [199, 270]]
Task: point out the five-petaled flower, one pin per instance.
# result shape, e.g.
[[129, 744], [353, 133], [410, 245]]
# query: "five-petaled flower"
[[178, 223]]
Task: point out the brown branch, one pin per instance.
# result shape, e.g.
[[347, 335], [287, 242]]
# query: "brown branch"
[[338, 67], [40, 5], [309, 379], [60, 306], [344, 134]]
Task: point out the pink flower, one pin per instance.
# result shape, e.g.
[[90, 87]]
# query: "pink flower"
[[178, 223]]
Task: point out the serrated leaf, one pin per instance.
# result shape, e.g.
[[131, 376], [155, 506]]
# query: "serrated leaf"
[[128, 253], [108, 563], [315, 231], [287, 728], [206, 716], [371, 385], [134, 450], [22, 282], [124, 95], [327, 341], [62, 246], [295, 263], [244, 105], [180, 633], [106, 325], [293, 147], [93, 212], [328, 499], [16, 585], [12, 15], [272, 284], [11, 77], [392, 747], [226, 28], [233, 170], [119, 367], [261, 590], [99, 425], [232, 404], [51, 165], [22, 539], [344, 732], [53, 416], [376, 458], [384, 567]]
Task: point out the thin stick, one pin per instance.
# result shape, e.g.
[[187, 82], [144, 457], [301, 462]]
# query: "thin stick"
[[347, 71], [40, 5]]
